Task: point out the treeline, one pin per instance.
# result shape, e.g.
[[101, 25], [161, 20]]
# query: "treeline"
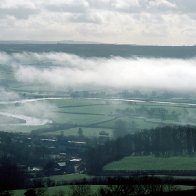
[[163, 141], [23, 149]]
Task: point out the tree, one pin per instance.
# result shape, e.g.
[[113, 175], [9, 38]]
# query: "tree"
[[5, 193], [80, 190], [116, 190], [120, 128], [36, 192], [49, 167], [59, 193], [11, 176], [80, 132], [30, 192]]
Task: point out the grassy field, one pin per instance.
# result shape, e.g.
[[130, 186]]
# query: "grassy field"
[[69, 177], [153, 163], [96, 114], [52, 191]]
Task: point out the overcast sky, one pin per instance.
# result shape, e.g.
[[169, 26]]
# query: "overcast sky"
[[157, 22]]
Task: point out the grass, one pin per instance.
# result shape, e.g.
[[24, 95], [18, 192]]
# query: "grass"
[[52, 191], [80, 119], [139, 123], [153, 163], [72, 103], [103, 113], [69, 177]]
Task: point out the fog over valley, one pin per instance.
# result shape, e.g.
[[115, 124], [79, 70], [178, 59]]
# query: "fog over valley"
[[62, 70], [33, 84], [97, 97]]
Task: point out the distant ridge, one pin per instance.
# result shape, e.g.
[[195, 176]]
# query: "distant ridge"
[[77, 42], [82, 42], [46, 42], [89, 49]]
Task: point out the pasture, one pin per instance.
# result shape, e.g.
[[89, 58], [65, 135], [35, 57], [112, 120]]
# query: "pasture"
[[94, 115], [52, 191], [132, 163], [70, 177]]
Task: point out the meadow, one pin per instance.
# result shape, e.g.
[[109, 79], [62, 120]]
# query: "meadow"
[[52, 191], [132, 163], [69, 177], [94, 115]]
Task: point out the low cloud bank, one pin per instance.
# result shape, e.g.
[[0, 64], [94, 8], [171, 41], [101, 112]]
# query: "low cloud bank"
[[65, 70]]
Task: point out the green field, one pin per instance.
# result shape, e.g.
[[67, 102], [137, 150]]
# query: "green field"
[[95, 115], [51, 191], [69, 177], [153, 163]]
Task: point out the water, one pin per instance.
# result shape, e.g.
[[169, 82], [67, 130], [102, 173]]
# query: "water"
[[30, 121]]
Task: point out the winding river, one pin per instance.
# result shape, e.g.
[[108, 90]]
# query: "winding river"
[[29, 121], [22, 101]]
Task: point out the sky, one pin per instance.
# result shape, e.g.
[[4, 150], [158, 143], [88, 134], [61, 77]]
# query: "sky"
[[143, 22]]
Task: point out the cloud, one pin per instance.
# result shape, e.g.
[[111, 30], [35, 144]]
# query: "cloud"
[[125, 5], [187, 6], [132, 6], [34, 113], [70, 6], [36, 109], [162, 3], [85, 18], [115, 72], [19, 12], [4, 58], [109, 21], [19, 9], [7, 95]]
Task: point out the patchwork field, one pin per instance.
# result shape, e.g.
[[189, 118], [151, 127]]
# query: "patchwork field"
[[92, 115]]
